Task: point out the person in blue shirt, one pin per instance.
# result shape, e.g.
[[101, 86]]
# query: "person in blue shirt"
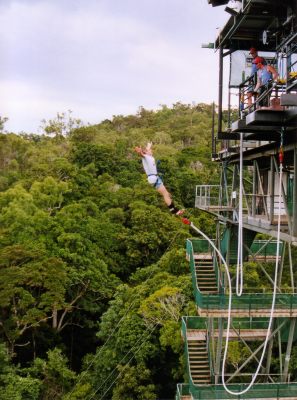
[[265, 75]]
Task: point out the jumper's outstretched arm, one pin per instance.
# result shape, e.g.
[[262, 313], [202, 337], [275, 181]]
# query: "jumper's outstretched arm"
[[139, 151]]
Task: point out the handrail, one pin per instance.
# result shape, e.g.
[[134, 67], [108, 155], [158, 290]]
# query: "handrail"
[[212, 372], [212, 195], [184, 330], [220, 283], [178, 394], [242, 323], [259, 390], [248, 301], [183, 389]]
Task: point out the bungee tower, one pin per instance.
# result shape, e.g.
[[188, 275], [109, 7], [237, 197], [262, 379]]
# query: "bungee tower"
[[255, 207]]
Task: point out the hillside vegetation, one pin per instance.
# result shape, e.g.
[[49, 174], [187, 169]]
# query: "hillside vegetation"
[[93, 276]]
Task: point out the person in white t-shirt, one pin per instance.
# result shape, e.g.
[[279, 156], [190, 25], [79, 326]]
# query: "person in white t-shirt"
[[150, 168]]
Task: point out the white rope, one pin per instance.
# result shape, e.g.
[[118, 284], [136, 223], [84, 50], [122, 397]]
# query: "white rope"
[[272, 307], [230, 299], [239, 268]]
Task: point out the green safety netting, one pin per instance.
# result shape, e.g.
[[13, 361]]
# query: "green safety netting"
[[246, 302], [193, 322], [258, 391]]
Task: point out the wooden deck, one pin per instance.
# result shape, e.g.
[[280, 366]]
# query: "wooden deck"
[[223, 313], [248, 334]]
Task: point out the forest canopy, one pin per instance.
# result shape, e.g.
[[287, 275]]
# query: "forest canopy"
[[89, 253]]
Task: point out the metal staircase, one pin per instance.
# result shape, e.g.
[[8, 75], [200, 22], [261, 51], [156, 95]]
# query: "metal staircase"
[[198, 362], [205, 274]]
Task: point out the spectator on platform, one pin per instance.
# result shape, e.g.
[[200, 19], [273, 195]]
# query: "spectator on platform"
[[265, 76]]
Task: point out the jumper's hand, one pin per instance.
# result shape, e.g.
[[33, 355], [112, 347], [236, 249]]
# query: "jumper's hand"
[[138, 150]]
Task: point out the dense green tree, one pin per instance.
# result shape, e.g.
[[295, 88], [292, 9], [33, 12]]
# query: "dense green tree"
[[90, 259]]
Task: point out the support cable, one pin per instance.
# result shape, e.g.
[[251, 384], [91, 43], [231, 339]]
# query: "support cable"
[[136, 346], [125, 314]]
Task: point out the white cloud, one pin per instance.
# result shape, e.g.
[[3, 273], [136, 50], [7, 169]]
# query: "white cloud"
[[102, 58]]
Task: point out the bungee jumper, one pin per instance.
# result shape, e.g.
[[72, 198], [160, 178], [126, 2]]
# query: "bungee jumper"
[[150, 168]]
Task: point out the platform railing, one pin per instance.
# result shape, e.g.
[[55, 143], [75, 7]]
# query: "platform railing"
[[183, 389], [258, 391], [248, 302], [201, 323], [212, 196]]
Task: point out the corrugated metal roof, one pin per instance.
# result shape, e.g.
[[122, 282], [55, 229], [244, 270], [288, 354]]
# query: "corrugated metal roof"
[[247, 28]]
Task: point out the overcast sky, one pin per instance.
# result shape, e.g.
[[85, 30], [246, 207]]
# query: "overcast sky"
[[101, 58]]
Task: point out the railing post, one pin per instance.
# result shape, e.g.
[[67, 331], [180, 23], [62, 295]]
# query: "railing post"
[[272, 179], [294, 213], [254, 189]]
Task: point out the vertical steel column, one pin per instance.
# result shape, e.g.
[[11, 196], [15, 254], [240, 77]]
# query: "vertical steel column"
[[220, 100], [289, 349], [280, 274], [213, 141], [294, 228], [280, 356], [229, 94], [254, 188], [272, 187], [226, 184], [291, 267], [219, 350], [269, 352]]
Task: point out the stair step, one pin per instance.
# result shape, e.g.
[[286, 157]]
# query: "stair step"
[[207, 272], [202, 356], [200, 378], [199, 271], [202, 285], [204, 265], [199, 352], [208, 287], [203, 363], [195, 352]]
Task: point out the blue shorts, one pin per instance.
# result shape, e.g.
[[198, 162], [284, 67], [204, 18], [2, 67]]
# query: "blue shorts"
[[158, 183], [155, 182]]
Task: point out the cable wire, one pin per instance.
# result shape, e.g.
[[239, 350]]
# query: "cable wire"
[[117, 325], [136, 345]]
